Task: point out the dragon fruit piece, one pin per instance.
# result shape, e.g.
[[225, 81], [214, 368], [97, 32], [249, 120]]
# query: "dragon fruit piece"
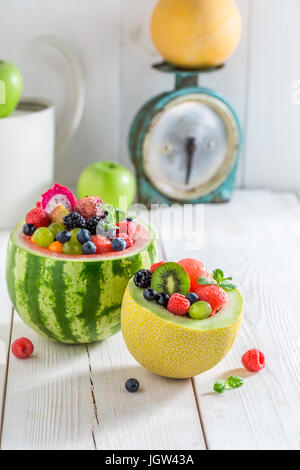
[[90, 206], [57, 195]]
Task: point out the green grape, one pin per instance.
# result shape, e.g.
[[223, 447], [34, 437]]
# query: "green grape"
[[56, 227], [72, 248], [74, 235], [43, 237], [220, 386], [200, 310], [235, 381]]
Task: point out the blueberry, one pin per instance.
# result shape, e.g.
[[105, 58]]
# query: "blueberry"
[[192, 298], [63, 237], [150, 294], [130, 219], [83, 236], [28, 229], [118, 244], [132, 385], [162, 299], [89, 248]]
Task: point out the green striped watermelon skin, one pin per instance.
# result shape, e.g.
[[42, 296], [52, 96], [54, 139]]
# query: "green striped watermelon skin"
[[67, 300]]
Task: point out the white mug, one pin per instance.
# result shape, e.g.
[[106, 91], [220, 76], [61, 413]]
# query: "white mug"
[[27, 144]]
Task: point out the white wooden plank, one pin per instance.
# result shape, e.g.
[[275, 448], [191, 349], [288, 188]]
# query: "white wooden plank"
[[255, 239], [140, 83], [154, 417], [48, 402], [272, 157], [5, 323], [92, 30]]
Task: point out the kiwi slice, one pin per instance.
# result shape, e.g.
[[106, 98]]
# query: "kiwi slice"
[[170, 278]]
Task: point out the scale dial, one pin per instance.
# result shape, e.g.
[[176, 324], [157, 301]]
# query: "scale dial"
[[191, 146]]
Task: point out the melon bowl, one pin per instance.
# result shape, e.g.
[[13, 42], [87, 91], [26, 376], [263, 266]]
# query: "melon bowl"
[[174, 346], [73, 299]]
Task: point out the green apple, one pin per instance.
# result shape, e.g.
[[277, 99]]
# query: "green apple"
[[108, 180], [11, 86]]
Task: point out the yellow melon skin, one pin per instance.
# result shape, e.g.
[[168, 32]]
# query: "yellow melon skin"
[[171, 350], [196, 33]]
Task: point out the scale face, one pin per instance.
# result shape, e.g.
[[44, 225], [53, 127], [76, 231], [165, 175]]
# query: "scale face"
[[185, 145]]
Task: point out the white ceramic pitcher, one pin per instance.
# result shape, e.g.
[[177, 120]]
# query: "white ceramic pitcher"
[[27, 143]]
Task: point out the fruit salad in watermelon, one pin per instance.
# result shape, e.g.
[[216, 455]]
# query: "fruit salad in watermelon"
[[68, 264], [178, 320]]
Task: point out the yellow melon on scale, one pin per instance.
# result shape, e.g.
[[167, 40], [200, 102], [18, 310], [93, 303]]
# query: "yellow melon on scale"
[[196, 33]]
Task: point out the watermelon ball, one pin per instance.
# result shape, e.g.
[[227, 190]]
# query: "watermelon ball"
[[103, 244], [195, 269], [200, 310], [83, 236], [212, 294], [22, 348], [132, 385], [192, 297], [56, 227], [118, 244], [89, 248], [29, 229], [43, 237], [72, 248], [63, 237]]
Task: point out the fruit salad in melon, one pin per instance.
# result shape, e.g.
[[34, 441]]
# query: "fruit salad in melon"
[[68, 264], [178, 320]]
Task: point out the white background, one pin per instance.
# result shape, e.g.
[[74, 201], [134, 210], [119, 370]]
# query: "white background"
[[112, 42]]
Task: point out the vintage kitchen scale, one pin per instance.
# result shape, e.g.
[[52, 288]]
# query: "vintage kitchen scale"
[[185, 143]]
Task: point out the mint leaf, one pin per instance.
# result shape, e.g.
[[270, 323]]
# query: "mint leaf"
[[218, 275], [235, 382], [220, 386], [204, 281], [227, 285]]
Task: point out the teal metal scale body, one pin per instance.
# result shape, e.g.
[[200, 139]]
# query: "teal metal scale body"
[[185, 144]]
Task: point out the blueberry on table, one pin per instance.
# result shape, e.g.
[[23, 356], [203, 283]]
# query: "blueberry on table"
[[63, 237], [83, 236], [89, 248], [132, 385], [150, 294], [28, 229]]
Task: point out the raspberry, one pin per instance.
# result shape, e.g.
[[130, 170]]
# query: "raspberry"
[[178, 304], [127, 227], [22, 348], [103, 244], [212, 294], [155, 265], [195, 269], [127, 238], [253, 360], [37, 217]]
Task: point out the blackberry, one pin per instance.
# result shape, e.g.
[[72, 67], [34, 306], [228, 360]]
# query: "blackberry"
[[91, 224], [143, 278], [74, 220]]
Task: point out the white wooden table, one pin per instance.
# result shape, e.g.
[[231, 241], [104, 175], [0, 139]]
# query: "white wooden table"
[[73, 397]]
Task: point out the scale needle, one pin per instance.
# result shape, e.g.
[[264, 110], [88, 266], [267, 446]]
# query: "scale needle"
[[190, 148]]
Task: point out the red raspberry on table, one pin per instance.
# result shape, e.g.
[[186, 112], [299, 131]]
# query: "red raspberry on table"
[[126, 226], [253, 360], [22, 348], [178, 304], [155, 265], [37, 217], [127, 238], [212, 294], [195, 269], [103, 244]]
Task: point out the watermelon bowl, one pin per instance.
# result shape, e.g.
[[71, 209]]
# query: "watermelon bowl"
[[73, 299]]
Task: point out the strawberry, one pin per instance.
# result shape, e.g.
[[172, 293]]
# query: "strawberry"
[[178, 304], [37, 217]]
